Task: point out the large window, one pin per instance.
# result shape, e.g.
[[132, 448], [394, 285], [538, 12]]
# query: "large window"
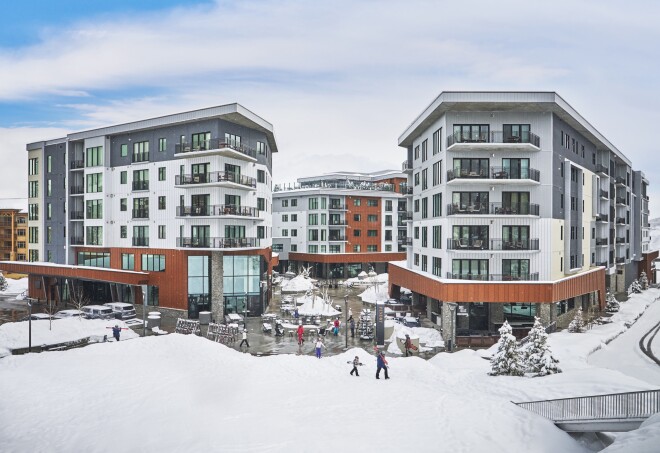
[[141, 236], [155, 263], [437, 236], [516, 168], [515, 202], [470, 133], [33, 235], [437, 175], [241, 284], [94, 156], [313, 203], [199, 285], [437, 266], [233, 140], [470, 202], [471, 168], [515, 269], [94, 235], [94, 259], [128, 261], [470, 269], [94, 209], [140, 179], [94, 183], [437, 205], [33, 166], [516, 133], [162, 144], [470, 237], [33, 211], [515, 237], [33, 189], [519, 312], [141, 152], [437, 145]]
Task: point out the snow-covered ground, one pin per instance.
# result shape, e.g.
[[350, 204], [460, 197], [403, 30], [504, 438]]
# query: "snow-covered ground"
[[16, 287], [185, 393], [298, 284], [655, 234]]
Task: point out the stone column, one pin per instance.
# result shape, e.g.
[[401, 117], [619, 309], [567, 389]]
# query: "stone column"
[[544, 311], [448, 315], [217, 294]]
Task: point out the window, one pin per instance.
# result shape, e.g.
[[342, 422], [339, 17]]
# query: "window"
[[469, 269], [471, 133], [425, 154], [294, 247], [261, 176], [372, 248], [425, 179], [357, 249], [416, 152], [294, 203], [94, 235], [416, 206], [313, 203], [388, 235], [33, 211], [49, 234], [372, 203], [294, 217], [416, 182], [357, 217], [128, 261], [261, 204], [49, 188], [161, 231], [388, 220], [140, 179], [313, 219], [515, 237], [123, 231], [424, 263], [94, 209], [201, 141], [357, 233], [285, 217], [162, 145], [425, 236], [154, 263], [372, 218], [161, 202], [388, 247], [33, 255], [357, 202], [285, 203], [515, 133], [416, 232], [233, 140], [416, 259], [437, 177], [95, 183], [436, 266], [437, 236], [285, 232], [437, 144], [261, 148], [161, 173], [49, 164], [294, 232], [437, 205], [141, 152], [94, 156], [515, 269], [123, 177], [124, 150], [425, 207], [312, 248], [33, 189], [33, 166], [261, 232], [123, 204], [94, 259], [372, 233]]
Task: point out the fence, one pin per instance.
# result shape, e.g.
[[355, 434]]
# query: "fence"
[[221, 333], [186, 327]]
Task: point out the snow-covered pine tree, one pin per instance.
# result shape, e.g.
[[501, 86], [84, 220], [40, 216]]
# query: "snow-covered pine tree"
[[612, 304], [508, 359], [577, 325], [644, 281], [3, 283], [536, 353], [635, 287]]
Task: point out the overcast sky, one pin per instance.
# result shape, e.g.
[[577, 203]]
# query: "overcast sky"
[[339, 80]]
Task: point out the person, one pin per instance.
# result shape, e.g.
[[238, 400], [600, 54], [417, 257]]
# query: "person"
[[408, 345], [319, 345], [356, 362], [336, 329], [115, 332], [350, 312], [295, 313], [351, 323], [381, 364], [244, 339], [301, 332]]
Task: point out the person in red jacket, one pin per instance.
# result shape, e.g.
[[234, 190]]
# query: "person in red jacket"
[[301, 332], [336, 329]]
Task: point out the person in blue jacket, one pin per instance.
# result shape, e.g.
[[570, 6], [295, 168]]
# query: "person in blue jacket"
[[382, 364], [115, 332]]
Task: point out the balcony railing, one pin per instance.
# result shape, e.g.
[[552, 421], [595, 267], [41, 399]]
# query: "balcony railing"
[[141, 213], [217, 242], [77, 190], [601, 169], [620, 200], [337, 207], [140, 242], [77, 215], [602, 263], [405, 241], [604, 193], [140, 157], [214, 143], [620, 181], [76, 240], [494, 208], [216, 210], [77, 164], [406, 165], [406, 190], [602, 218], [494, 173], [337, 223], [494, 137], [601, 241], [620, 220], [492, 244], [215, 176], [140, 185], [336, 238], [494, 277], [408, 215], [620, 240], [620, 260]]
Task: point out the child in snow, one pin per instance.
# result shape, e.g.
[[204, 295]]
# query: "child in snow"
[[382, 364], [356, 362], [319, 345], [244, 339]]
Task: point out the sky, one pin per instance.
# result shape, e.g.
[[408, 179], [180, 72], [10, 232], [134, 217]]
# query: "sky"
[[339, 80]]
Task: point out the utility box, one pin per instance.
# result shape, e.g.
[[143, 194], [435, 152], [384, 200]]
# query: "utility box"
[[204, 318]]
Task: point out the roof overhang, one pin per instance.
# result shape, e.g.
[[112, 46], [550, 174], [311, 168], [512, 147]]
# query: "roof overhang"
[[76, 272]]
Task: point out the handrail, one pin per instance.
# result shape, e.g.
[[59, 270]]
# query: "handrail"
[[214, 143]]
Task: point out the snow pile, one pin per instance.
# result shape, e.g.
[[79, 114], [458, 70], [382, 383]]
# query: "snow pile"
[[96, 385], [363, 279], [16, 287], [298, 284], [313, 305], [14, 335], [646, 439], [374, 294], [429, 338]]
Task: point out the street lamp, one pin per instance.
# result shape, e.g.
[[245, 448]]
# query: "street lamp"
[[452, 317], [346, 320], [29, 303]]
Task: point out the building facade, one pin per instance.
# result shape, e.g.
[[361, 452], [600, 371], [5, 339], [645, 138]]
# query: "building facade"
[[13, 235], [521, 208], [184, 200], [340, 224]]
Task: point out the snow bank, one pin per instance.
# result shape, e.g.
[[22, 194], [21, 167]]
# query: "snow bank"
[[308, 402], [14, 335], [16, 287], [428, 338], [645, 439], [363, 280], [372, 295], [315, 306], [297, 284]]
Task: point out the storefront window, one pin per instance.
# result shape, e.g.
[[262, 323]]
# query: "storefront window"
[[241, 284], [199, 283]]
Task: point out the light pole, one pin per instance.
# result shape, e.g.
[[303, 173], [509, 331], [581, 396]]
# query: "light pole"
[[346, 320], [29, 303], [452, 317]]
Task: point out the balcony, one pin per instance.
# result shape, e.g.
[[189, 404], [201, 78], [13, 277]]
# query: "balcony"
[[339, 223], [140, 213], [406, 190], [217, 242], [140, 157], [216, 179], [602, 218], [140, 242], [77, 215], [494, 139], [602, 263], [459, 209], [604, 194], [77, 164], [619, 181], [76, 240], [217, 211], [494, 277], [620, 240], [140, 185], [494, 208], [493, 244], [621, 201], [601, 241], [602, 169], [336, 207], [620, 261], [337, 238], [620, 221], [495, 173], [408, 241], [216, 147], [77, 190], [406, 166], [408, 216]]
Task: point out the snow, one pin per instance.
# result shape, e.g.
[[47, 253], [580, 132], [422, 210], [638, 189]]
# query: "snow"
[[363, 279], [313, 305], [14, 335], [428, 338], [375, 294], [298, 284], [16, 287], [196, 395]]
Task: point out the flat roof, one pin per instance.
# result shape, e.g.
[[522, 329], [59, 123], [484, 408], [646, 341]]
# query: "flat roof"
[[484, 101]]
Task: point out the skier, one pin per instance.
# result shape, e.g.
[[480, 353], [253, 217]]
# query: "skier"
[[351, 322], [408, 345], [336, 329], [356, 362], [301, 332], [382, 364], [319, 345], [244, 339]]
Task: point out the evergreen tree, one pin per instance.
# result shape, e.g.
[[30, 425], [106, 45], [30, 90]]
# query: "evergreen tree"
[[644, 281], [507, 360], [635, 288], [536, 352], [3, 283], [612, 304], [577, 325]]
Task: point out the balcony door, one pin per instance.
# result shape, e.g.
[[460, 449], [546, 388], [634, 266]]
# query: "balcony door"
[[516, 133], [516, 168], [470, 269], [200, 173], [515, 237], [515, 269], [201, 141], [233, 173], [517, 202], [200, 235], [200, 204]]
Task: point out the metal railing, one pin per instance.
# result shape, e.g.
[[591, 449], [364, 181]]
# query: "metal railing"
[[601, 241], [336, 238], [620, 240], [405, 241], [598, 407], [77, 164], [602, 218], [495, 277], [494, 208], [494, 173], [76, 190], [140, 157], [601, 169], [140, 185], [620, 200], [604, 193], [140, 241], [620, 181], [216, 210], [494, 137], [214, 143], [216, 242], [77, 215], [405, 190], [408, 215], [140, 213], [76, 240], [215, 176], [620, 260], [406, 165], [336, 207], [620, 220], [492, 244]]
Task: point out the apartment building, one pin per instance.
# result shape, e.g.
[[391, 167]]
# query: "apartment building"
[[13, 235], [521, 208], [174, 209], [340, 224]]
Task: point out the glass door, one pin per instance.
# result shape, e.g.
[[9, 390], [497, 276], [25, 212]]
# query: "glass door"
[[200, 141], [200, 173], [200, 235], [233, 173]]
